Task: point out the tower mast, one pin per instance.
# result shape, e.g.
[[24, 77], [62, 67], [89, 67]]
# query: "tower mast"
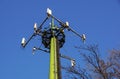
[[54, 72], [53, 39]]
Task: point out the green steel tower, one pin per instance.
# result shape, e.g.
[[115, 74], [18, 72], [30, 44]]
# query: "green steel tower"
[[53, 39], [54, 72]]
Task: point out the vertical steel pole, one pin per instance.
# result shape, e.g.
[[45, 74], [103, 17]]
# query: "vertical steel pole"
[[54, 72]]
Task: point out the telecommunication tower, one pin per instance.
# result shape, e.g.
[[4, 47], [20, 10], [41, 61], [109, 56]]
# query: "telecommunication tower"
[[53, 39]]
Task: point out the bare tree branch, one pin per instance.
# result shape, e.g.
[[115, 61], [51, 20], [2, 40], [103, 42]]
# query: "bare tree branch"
[[98, 68]]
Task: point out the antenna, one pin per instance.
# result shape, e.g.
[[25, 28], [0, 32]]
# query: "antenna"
[[35, 28], [72, 63], [83, 37], [53, 38], [49, 12], [23, 42]]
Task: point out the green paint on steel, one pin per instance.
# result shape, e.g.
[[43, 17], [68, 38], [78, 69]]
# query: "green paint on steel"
[[54, 72], [52, 25], [53, 60]]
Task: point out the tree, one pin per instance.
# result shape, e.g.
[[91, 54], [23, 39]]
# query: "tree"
[[77, 73], [114, 59], [97, 68]]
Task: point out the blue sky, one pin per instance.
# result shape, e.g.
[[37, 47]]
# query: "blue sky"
[[98, 19]]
